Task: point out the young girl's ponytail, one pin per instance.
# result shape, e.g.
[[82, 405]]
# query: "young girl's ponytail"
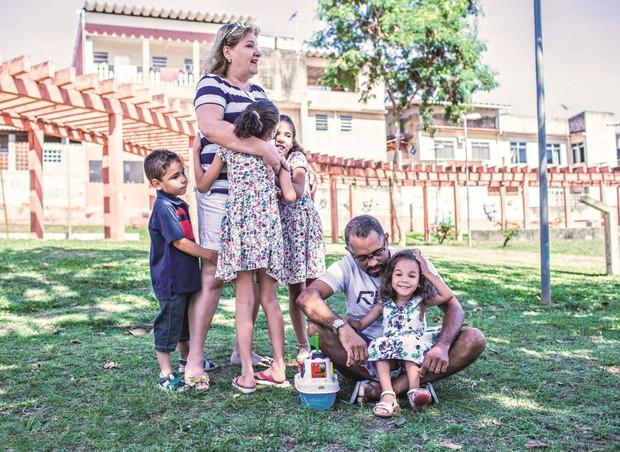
[[258, 119]]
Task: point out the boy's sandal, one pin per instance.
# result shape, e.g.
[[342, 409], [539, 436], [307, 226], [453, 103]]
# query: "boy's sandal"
[[208, 365], [419, 398], [384, 409], [200, 383]]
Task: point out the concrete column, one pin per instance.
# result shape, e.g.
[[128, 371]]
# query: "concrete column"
[[525, 197], [191, 183], [427, 229], [35, 168], [457, 211], [567, 212], [89, 56], [196, 60], [502, 206], [618, 203], [146, 60], [333, 207], [351, 201], [113, 218]]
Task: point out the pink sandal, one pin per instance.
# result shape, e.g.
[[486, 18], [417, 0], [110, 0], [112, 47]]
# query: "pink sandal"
[[419, 398]]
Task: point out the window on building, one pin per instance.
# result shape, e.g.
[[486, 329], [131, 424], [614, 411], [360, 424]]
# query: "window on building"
[[21, 152], [159, 62], [100, 57], [553, 154], [133, 172], [4, 152], [518, 152], [52, 156], [321, 122], [480, 150], [346, 123], [95, 171], [188, 64], [579, 152], [444, 150]]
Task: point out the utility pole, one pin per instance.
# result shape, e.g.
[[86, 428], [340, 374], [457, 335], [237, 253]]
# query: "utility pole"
[[545, 271]]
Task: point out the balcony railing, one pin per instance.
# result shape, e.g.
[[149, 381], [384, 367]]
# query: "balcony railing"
[[133, 74]]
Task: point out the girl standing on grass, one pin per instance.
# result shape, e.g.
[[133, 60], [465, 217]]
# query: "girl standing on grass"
[[251, 242], [409, 287], [304, 249]]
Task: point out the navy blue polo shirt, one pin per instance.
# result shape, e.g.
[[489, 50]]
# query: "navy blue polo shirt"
[[172, 270]]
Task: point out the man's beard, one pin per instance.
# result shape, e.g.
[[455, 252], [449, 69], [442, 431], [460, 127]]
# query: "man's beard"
[[376, 270]]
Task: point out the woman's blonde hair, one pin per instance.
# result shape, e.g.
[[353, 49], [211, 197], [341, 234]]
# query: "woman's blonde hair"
[[228, 35]]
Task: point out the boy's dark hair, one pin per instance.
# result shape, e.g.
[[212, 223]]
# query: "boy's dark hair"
[[361, 226], [296, 146], [258, 119], [425, 288], [156, 163]]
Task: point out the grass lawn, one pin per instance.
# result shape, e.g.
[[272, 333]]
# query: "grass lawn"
[[549, 374]]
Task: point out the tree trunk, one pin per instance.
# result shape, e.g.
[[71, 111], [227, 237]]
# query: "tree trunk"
[[394, 190]]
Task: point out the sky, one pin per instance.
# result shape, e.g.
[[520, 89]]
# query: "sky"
[[580, 43]]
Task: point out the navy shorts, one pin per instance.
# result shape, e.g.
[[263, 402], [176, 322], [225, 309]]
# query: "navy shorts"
[[171, 326]]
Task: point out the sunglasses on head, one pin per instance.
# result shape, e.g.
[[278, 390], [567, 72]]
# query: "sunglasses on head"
[[236, 26]]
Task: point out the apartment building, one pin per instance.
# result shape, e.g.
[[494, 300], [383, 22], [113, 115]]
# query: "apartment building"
[[497, 137]]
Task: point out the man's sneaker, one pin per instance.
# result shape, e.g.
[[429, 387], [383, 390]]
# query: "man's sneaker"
[[208, 365], [171, 383]]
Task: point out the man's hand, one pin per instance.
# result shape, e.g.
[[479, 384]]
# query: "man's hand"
[[436, 360], [354, 345], [272, 157], [423, 261]]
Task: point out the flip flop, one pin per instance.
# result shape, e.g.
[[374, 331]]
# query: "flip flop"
[[355, 394], [262, 378], [243, 389], [265, 361], [200, 383]]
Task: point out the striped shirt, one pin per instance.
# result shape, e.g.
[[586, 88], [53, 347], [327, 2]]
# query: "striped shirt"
[[213, 89]]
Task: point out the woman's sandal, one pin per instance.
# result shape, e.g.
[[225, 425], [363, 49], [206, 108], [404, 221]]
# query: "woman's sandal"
[[200, 383], [419, 398], [384, 409]]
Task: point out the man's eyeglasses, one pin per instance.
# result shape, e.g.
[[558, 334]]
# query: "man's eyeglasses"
[[365, 258], [234, 28]]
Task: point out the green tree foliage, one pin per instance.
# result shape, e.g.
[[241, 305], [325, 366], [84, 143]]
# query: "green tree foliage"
[[423, 50]]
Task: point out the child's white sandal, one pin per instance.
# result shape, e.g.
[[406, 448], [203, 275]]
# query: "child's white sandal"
[[384, 409]]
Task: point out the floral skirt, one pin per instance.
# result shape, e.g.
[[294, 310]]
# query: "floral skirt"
[[403, 347]]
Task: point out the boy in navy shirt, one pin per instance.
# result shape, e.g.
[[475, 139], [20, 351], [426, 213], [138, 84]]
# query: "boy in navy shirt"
[[175, 271]]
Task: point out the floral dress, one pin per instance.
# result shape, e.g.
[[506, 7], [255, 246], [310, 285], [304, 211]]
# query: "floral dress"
[[304, 248], [405, 336], [251, 233]]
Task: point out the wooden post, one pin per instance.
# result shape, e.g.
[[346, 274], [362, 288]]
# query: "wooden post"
[[113, 220], [35, 168], [567, 212], [351, 212], [333, 201], [502, 206], [427, 230], [610, 223], [525, 196], [457, 211], [410, 217]]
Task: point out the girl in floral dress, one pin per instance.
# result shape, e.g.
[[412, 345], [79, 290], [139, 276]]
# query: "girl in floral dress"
[[251, 242], [409, 287], [304, 249]]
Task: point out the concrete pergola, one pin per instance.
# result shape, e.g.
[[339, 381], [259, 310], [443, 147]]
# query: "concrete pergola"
[[125, 118], [355, 172], [120, 117]]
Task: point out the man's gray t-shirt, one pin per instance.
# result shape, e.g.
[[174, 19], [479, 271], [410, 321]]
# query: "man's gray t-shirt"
[[359, 288]]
